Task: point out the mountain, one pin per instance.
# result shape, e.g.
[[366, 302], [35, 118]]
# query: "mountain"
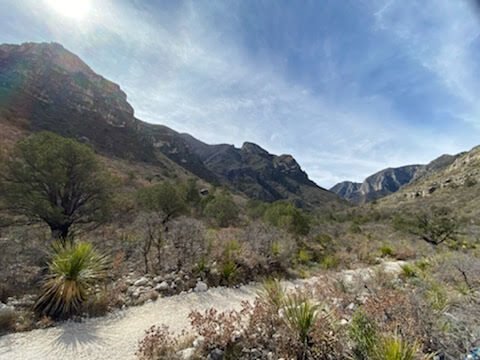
[[388, 181], [46, 87]]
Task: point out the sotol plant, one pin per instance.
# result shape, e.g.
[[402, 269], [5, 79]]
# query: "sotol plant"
[[300, 316], [73, 271]]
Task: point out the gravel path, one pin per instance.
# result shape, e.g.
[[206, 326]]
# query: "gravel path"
[[115, 337]]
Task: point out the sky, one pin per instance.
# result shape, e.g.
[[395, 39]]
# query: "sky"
[[348, 87]]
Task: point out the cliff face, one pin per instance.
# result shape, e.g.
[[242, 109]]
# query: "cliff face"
[[46, 87], [389, 181], [49, 88]]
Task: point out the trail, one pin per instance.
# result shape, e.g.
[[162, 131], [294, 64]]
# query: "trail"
[[116, 336]]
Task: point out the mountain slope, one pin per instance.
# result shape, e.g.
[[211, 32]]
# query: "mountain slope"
[[45, 87], [389, 181]]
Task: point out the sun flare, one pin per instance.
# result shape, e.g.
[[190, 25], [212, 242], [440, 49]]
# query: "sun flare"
[[75, 9]]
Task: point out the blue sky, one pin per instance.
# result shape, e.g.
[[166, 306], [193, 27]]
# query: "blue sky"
[[346, 86]]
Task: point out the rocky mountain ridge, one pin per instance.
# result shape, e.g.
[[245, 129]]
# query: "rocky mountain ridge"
[[46, 87], [389, 181]]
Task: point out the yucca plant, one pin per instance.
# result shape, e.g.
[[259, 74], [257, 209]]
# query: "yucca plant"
[[364, 334], [395, 348], [273, 293], [73, 270], [300, 316]]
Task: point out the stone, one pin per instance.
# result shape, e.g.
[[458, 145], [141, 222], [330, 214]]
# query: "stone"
[[141, 282], [351, 306], [216, 354], [198, 342], [158, 279], [187, 354], [163, 286], [201, 287]]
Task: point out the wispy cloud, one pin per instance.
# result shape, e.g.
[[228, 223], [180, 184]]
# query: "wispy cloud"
[[346, 87]]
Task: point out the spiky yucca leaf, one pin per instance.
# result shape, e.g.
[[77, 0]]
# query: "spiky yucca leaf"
[[273, 293], [300, 315], [395, 348], [73, 271]]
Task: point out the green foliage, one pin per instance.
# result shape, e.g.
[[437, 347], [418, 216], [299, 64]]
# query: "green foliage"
[[191, 193], [228, 271], [222, 209], [73, 272], [300, 316], [355, 228], [304, 256], [58, 181], [395, 348], [285, 215], [256, 209], [386, 250], [163, 198], [364, 334], [408, 271], [273, 293], [436, 225], [329, 262], [437, 297]]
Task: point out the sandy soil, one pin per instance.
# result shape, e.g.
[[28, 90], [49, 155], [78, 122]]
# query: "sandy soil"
[[116, 336]]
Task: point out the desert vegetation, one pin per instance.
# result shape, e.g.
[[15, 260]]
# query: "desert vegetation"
[[82, 235]]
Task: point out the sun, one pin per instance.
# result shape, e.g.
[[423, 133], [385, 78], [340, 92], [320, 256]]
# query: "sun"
[[75, 9]]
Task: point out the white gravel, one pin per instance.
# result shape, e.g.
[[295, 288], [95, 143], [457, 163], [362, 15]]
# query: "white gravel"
[[116, 336]]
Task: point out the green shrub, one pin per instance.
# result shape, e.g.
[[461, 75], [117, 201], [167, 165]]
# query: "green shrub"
[[285, 215], [300, 316], [355, 228], [223, 210], [408, 271], [364, 334], [395, 348], [329, 262], [273, 293], [73, 272], [386, 250], [437, 297], [229, 271], [304, 256]]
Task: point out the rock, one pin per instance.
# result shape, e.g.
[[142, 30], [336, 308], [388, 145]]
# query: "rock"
[[138, 291], [162, 286], [351, 306], [158, 279], [4, 308], [141, 282], [216, 354], [186, 354], [343, 322], [198, 342], [201, 287]]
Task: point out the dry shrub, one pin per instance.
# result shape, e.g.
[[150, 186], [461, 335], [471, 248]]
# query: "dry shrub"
[[219, 329], [397, 312], [158, 344], [8, 319], [277, 325]]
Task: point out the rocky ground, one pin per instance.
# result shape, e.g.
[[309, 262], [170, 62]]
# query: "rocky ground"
[[116, 336]]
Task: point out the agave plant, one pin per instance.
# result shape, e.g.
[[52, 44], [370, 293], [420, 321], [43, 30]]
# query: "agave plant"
[[73, 270]]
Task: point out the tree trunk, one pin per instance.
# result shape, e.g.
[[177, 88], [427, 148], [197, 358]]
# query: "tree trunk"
[[60, 232]]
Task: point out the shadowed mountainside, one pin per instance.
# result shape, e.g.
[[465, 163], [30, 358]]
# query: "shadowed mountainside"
[[46, 87]]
